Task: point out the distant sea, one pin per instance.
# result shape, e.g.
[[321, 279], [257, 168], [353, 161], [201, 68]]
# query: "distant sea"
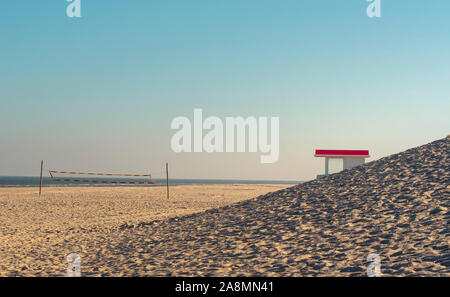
[[33, 181]]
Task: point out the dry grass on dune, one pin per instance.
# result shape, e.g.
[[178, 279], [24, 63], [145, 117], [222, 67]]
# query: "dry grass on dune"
[[396, 206]]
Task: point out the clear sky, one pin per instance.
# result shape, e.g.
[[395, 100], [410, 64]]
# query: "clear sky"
[[98, 93]]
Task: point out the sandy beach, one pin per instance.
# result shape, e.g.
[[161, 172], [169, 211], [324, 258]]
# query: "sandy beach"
[[37, 233], [300, 139], [396, 207]]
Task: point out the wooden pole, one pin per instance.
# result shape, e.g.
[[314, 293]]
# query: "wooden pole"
[[40, 182], [167, 179]]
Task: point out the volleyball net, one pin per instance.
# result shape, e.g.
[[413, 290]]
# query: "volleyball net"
[[147, 181]]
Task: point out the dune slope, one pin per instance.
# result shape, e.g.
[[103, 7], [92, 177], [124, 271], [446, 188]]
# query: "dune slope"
[[396, 206]]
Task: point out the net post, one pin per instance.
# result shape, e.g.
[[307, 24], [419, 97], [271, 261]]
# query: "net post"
[[40, 180], [167, 179]]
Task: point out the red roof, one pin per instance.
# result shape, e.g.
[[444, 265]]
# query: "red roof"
[[349, 153]]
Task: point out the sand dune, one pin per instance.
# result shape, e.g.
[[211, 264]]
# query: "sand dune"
[[396, 207]]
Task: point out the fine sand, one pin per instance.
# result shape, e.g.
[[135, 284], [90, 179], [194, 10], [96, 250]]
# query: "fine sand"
[[37, 233], [396, 207]]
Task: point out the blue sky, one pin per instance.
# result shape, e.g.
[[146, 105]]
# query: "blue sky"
[[99, 92]]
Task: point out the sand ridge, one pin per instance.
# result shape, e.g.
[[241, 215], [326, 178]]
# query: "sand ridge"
[[396, 207]]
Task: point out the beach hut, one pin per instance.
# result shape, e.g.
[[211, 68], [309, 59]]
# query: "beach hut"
[[338, 160]]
